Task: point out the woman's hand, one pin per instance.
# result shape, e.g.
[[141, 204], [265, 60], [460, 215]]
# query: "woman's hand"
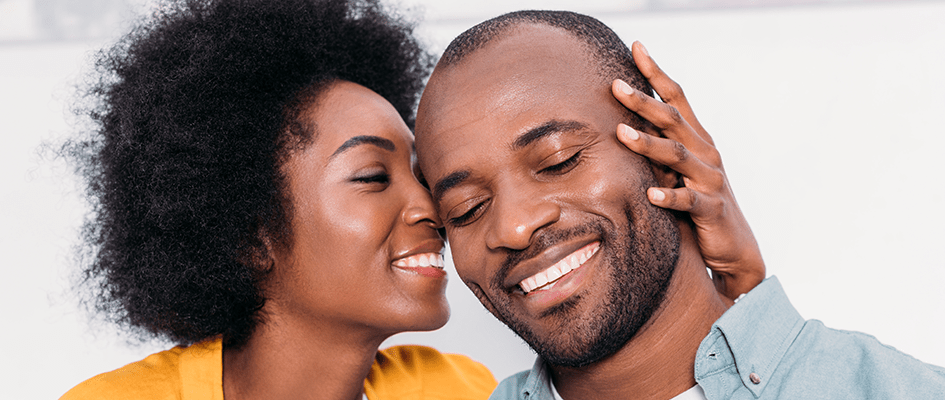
[[675, 138]]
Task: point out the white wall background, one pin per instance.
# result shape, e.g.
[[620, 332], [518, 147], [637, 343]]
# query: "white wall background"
[[827, 117]]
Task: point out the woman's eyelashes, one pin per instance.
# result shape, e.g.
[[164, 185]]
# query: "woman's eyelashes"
[[373, 178], [564, 166]]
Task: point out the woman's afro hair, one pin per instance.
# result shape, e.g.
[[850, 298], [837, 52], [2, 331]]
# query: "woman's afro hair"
[[192, 116]]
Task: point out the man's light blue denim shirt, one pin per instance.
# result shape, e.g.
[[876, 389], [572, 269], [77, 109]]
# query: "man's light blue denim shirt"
[[761, 348]]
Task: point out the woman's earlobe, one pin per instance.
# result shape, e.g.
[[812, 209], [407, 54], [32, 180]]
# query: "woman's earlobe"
[[259, 253]]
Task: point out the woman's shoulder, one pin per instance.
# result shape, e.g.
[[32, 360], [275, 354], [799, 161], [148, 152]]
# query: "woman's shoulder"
[[420, 372], [193, 372]]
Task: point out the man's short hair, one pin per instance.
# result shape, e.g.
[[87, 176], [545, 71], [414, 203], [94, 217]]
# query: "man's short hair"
[[612, 55]]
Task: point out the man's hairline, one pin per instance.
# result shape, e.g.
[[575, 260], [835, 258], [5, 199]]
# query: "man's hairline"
[[508, 31]]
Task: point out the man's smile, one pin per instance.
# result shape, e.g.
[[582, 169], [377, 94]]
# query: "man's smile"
[[562, 269], [547, 279]]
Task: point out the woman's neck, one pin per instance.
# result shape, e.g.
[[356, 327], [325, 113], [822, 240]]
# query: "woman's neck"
[[284, 360]]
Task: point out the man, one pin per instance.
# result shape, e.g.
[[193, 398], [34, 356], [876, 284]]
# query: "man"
[[550, 226]]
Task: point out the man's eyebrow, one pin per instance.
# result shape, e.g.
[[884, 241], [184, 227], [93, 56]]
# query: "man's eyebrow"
[[548, 128], [364, 139], [447, 183]]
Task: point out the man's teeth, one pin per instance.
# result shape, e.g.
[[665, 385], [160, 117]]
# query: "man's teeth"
[[546, 279], [421, 260]]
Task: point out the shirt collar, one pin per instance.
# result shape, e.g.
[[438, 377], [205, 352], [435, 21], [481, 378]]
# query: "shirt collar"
[[201, 370], [537, 386], [754, 335], [757, 332]]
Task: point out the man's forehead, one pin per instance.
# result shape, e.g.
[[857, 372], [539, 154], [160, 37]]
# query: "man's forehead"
[[507, 80], [524, 48]]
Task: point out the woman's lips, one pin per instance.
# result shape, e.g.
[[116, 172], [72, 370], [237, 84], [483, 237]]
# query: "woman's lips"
[[547, 279], [426, 264]]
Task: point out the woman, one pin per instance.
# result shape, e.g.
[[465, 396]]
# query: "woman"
[[255, 200]]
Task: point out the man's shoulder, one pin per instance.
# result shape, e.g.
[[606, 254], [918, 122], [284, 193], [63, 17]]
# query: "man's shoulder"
[[861, 363], [774, 353]]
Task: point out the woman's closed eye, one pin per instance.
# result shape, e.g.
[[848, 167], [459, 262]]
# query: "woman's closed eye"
[[380, 178]]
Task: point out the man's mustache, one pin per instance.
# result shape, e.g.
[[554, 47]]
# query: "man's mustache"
[[543, 240]]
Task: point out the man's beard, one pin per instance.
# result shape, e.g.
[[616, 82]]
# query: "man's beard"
[[641, 261]]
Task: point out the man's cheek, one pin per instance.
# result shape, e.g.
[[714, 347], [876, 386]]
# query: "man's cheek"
[[467, 270], [483, 298]]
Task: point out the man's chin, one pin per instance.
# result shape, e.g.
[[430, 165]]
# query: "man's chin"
[[570, 338], [584, 350], [582, 331], [598, 320]]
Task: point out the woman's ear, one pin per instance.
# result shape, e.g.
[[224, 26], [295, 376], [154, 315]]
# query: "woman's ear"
[[258, 253]]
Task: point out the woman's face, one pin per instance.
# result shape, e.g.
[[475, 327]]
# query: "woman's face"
[[365, 251]]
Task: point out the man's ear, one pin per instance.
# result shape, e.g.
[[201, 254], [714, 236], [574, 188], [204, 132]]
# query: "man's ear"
[[666, 177]]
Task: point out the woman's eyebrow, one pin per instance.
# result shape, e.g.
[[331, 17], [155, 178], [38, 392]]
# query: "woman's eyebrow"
[[364, 139]]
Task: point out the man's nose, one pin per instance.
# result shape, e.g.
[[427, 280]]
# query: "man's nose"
[[518, 215]]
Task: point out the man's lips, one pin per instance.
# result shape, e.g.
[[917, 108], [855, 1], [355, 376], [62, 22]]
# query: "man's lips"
[[547, 278]]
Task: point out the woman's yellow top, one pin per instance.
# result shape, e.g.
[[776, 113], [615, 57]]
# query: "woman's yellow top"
[[196, 373]]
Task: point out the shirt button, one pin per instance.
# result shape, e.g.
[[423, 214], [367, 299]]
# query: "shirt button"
[[754, 378]]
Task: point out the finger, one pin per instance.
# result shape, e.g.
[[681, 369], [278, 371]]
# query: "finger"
[[684, 199], [666, 88], [663, 116], [681, 199], [652, 130], [704, 150], [667, 152]]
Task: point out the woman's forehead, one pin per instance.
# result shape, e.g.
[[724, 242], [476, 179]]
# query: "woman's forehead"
[[347, 111]]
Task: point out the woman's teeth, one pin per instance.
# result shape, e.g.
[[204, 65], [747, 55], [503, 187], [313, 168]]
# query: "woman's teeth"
[[547, 278], [421, 260]]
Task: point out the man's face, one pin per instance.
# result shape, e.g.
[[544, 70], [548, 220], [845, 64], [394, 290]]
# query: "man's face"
[[545, 210]]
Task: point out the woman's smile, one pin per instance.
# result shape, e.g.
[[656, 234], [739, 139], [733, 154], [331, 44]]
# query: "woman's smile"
[[365, 244]]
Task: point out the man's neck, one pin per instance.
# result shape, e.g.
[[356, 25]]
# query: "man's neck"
[[657, 363]]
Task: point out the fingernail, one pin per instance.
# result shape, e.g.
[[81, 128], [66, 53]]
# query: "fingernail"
[[643, 49], [624, 87], [629, 132], [657, 195]]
